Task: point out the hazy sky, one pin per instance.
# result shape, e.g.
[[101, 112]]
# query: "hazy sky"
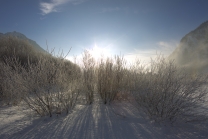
[[118, 26]]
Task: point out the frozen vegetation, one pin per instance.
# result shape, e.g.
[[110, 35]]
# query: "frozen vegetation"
[[46, 96]]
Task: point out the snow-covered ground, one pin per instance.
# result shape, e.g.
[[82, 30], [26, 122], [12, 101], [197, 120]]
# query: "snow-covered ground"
[[96, 121]]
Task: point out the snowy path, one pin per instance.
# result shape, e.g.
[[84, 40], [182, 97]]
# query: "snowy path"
[[96, 121]]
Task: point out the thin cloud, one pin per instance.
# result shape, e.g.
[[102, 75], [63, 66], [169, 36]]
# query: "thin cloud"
[[161, 48], [53, 5], [167, 47]]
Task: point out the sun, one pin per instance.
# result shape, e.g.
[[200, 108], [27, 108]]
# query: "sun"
[[98, 52]]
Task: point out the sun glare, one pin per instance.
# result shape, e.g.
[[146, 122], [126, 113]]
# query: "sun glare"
[[98, 52]]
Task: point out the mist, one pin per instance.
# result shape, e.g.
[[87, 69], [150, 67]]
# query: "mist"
[[192, 52]]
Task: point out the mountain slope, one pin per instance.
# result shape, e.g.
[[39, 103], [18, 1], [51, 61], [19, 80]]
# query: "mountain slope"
[[22, 37], [192, 51]]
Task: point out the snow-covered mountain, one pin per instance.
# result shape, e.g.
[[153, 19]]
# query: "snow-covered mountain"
[[192, 51], [22, 37]]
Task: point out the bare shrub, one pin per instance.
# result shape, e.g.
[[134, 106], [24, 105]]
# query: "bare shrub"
[[47, 86], [71, 88], [123, 96], [44, 81], [10, 89], [59, 91], [165, 93], [110, 78], [89, 76]]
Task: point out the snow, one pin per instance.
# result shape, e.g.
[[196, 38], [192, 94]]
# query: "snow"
[[119, 120]]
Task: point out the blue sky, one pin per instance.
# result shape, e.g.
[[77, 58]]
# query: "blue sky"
[[128, 27]]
